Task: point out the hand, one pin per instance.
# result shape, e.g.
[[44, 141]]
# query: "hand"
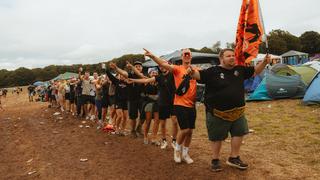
[[190, 70], [129, 81], [148, 53], [113, 65], [267, 59], [103, 66], [129, 65]]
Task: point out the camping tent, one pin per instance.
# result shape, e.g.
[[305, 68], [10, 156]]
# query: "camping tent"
[[276, 87], [197, 58], [65, 76], [274, 59], [314, 64], [306, 72], [38, 83], [312, 95], [294, 57], [252, 83]]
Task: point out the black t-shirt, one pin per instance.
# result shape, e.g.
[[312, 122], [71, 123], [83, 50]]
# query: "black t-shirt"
[[166, 89], [121, 88], [225, 88], [134, 89]]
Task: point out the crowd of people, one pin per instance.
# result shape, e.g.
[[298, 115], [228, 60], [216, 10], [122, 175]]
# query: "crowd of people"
[[167, 92]]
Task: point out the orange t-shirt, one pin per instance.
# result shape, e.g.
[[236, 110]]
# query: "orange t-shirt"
[[189, 98]]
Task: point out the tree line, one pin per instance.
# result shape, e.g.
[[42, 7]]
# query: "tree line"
[[279, 41]]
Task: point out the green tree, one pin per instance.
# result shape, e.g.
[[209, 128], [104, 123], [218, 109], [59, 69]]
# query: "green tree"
[[310, 42]]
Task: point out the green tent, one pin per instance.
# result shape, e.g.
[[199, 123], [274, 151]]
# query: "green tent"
[[65, 76], [307, 73]]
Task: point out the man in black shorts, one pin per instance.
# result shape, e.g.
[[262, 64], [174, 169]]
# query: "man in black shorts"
[[134, 96]]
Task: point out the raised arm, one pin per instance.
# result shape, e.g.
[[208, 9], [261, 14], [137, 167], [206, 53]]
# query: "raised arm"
[[161, 62], [135, 70], [80, 71], [143, 81], [260, 67], [113, 79], [120, 71]]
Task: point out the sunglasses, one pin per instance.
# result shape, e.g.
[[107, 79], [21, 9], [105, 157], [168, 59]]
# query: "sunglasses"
[[186, 54]]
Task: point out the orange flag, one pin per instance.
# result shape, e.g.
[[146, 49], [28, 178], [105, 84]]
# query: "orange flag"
[[249, 32]]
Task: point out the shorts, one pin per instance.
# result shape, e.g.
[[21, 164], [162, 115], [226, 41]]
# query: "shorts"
[[134, 107], [121, 105], [186, 116], [165, 111], [218, 129], [85, 99], [105, 102], [112, 100], [53, 97], [151, 107], [67, 96], [72, 98]]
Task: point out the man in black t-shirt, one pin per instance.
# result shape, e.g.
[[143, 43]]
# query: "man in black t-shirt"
[[225, 104], [134, 96]]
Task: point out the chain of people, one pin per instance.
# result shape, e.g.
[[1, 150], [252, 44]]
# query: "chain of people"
[[165, 94]]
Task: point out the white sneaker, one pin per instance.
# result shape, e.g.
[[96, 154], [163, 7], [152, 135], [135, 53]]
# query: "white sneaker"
[[87, 118], [177, 156], [186, 158], [173, 144], [92, 118], [164, 145]]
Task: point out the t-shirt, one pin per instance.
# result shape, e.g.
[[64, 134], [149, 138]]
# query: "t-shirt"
[[166, 89], [225, 88], [134, 89], [189, 98], [86, 87], [121, 88]]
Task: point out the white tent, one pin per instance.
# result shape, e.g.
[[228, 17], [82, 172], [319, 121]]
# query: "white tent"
[[259, 58], [314, 64]]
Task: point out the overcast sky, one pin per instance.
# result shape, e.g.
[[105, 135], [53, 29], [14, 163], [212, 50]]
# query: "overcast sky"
[[37, 33]]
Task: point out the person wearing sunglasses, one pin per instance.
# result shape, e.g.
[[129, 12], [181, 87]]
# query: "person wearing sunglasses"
[[184, 104]]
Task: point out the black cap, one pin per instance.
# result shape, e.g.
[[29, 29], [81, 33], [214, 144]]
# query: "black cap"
[[137, 62]]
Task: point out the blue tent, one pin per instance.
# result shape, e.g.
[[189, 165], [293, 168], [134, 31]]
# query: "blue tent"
[[277, 87], [261, 93], [312, 95]]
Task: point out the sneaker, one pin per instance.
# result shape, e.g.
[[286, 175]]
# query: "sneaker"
[[92, 118], [164, 144], [215, 165], [177, 156], [87, 118], [236, 162], [186, 158], [173, 144], [134, 134], [155, 142], [145, 141]]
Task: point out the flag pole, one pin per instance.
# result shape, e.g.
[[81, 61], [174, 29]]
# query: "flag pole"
[[264, 37]]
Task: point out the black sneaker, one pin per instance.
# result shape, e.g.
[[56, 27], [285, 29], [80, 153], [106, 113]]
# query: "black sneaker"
[[236, 162], [215, 165]]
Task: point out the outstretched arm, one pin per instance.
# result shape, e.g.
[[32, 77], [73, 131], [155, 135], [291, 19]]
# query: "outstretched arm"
[[158, 60], [260, 67], [113, 79], [120, 71], [143, 81], [135, 70]]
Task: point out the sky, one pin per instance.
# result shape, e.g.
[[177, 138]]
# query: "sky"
[[38, 33]]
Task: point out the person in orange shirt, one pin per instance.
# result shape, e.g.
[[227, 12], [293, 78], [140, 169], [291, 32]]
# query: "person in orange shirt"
[[184, 103]]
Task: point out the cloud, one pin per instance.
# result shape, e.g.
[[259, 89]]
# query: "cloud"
[[81, 31]]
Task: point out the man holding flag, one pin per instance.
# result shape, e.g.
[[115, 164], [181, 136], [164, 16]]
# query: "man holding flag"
[[224, 90]]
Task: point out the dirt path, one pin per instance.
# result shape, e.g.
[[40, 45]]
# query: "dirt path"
[[33, 140]]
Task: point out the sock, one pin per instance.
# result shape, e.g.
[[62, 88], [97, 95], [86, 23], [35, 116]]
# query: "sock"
[[185, 151], [178, 147]]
